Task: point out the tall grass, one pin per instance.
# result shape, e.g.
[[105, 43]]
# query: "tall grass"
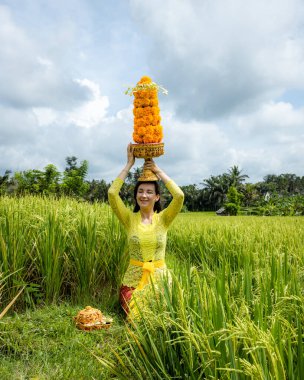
[[59, 249], [238, 313], [195, 333], [235, 309]]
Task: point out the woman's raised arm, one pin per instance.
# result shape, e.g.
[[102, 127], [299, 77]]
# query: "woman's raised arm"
[[130, 162]]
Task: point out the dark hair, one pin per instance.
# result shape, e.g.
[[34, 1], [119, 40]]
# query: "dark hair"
[[157, 206]]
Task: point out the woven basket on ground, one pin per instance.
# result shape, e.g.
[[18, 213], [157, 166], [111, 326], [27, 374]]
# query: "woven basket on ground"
[[92, 319]]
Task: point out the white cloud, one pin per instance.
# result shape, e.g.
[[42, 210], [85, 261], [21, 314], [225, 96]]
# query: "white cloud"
[[91, 112], [28, 76], [270, 119], [87, 115], [223, 57], [44, 115]]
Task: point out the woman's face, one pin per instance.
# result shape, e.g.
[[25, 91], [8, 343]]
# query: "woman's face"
[[146, 196]]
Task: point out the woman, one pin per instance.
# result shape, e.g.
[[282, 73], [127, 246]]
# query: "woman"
[[146, 230]]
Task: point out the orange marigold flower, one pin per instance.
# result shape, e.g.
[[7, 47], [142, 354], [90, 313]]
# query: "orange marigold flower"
[[152, 94], [137, 138], [155, 120], [145, 93], [148, 119], [141, 131], [139, 112], [149, 129], [148, 139], [137, 123], [154, 110], [145, 79], [158, 129], [138, 95], [141, 102], [142, 111], [153, 102]]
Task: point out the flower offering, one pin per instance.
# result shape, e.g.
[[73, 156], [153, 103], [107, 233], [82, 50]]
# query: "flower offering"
[[147, 128]]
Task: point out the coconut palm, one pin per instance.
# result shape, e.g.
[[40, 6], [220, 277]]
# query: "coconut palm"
[[217, 187], [235, 176]]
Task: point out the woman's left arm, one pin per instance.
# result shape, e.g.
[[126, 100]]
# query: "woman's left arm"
[[170, 212]]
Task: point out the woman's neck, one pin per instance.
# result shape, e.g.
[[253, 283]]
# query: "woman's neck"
[[146, 216]]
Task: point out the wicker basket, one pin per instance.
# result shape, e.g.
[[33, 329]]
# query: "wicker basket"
[[92, 319], [148, 150]]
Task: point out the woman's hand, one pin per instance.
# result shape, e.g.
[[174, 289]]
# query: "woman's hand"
[[131, 159], [130, 155], [151, 165]]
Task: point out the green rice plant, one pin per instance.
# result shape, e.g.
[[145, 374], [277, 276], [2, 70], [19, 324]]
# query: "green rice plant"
[[189, 334], [14, 236], [115, 248], [236, 314], [61, 248], [86, 256], [50, 247]]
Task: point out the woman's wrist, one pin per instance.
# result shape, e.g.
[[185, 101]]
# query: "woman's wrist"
[[129, 165]]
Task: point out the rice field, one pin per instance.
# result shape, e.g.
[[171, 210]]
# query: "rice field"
[[234, 309]]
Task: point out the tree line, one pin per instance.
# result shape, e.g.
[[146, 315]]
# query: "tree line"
[[281, 194]]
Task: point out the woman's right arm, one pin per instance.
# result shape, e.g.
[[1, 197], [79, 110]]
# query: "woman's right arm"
[[131, 159], [115, 201]]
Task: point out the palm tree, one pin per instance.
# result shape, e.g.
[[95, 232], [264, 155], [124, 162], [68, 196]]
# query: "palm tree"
[[217, 188], [235, 176]]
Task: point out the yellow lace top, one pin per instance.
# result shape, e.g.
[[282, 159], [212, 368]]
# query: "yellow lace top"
[[146, 241]]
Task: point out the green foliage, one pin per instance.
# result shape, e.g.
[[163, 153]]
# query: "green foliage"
[[283, 184], [192, 197], [232, 208], [278, 205], [51, 180], [73, 182], [44, 344], [37, 181], [233, 204], [97, 191]]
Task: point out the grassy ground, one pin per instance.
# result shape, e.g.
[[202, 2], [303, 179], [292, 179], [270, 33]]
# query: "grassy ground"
[[44, 344]]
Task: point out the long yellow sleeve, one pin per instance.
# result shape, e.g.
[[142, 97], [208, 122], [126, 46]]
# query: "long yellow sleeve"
[[119, 208], [170, 212]]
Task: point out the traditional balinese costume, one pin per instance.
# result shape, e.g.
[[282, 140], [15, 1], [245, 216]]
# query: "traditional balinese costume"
[[146, 243]]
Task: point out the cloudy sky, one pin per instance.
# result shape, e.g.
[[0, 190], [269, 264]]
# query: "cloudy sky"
[[234, 70]]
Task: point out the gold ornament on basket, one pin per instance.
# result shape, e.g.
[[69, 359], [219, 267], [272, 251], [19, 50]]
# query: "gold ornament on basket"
[[92, 319], [148, 132]]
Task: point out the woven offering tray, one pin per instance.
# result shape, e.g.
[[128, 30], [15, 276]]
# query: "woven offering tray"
[[92, 319], [148, 150]]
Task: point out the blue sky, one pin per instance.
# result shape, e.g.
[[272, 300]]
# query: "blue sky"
[[234, 70]]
